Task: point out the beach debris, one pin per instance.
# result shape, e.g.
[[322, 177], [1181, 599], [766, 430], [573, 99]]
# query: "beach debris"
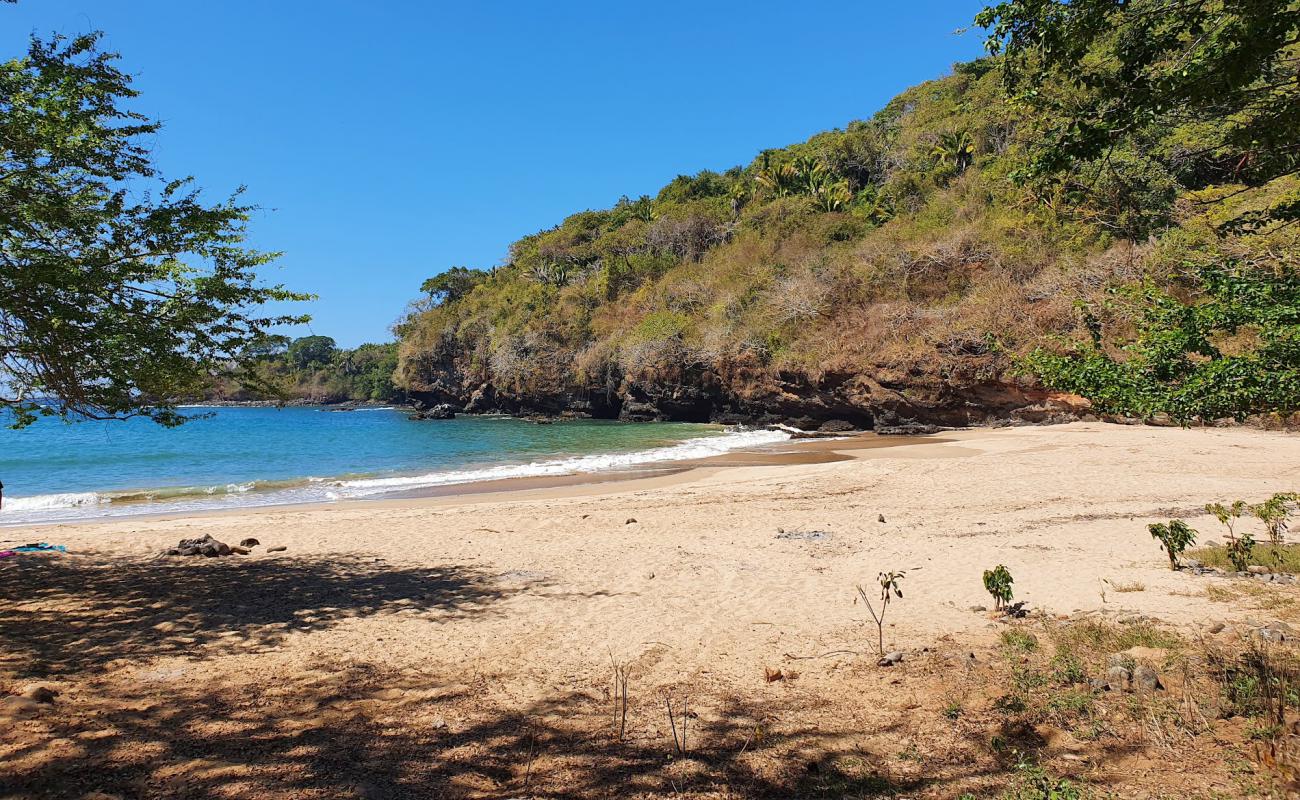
[[39, 547], [249, 542], [206, 546], [807, 536], [1017, 610], [890, 659], [277, 549]]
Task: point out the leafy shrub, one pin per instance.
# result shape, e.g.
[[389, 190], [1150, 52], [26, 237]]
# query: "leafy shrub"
[[1174, 538], [997, 582], [1274, 513], [1177, 361]]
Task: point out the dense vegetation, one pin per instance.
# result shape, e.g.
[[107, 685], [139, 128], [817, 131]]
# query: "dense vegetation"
[[313, 369], [971, 243]]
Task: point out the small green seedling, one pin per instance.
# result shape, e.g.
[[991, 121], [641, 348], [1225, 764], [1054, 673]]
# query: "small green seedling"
[[889, 588], [1274, 512], [1239, 548], [1174, 538], [997, 582]]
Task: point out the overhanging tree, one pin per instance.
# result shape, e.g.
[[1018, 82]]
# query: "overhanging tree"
[[120, 291], [1210, 88]]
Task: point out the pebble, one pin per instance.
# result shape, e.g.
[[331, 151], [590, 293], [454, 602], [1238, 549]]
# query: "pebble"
[[630, 520], [279, 549], [249, 542]]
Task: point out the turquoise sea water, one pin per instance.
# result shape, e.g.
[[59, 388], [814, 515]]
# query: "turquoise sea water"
[[56, 471]]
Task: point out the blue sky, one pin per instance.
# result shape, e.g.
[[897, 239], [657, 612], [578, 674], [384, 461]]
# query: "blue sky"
[[387, 141]]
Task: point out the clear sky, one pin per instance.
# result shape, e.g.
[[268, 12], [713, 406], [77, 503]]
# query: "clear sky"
[[387, 141]]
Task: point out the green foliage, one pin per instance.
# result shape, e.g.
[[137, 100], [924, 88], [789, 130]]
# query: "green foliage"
[[452, 285], [997, 582], [1229, 348], [1019, 641], [1174, 537], [1034, 783], [310, 350], [312, 369], [120, 291], [1112, 75], [1239, 548], [1274, 513]]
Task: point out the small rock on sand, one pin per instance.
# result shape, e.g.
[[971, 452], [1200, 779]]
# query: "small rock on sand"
[[277, 549], [40, 694], [249, 542], [630, 521], [1117, 679], [890, 659], [1146, 678]]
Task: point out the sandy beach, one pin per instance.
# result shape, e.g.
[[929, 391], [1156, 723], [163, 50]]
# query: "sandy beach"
[[432, 621]]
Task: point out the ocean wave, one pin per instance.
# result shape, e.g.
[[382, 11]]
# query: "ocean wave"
[[41, 502], [682, 451]]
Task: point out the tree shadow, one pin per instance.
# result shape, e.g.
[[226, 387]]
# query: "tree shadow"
[[62, 615], [372, 734]]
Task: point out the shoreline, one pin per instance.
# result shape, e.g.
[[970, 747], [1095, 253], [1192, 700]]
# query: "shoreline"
[[787, 452]]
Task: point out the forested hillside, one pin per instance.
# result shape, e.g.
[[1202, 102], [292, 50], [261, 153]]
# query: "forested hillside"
[[312, 369], [952, 259]]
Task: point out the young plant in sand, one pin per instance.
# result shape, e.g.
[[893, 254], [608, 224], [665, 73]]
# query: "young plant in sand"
[[997, 582], [1274, 512], [1174, 538], [889, 589], [1238, 548]]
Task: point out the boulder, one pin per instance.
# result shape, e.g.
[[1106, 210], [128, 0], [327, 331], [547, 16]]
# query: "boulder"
[[837, 426], [207, 546]]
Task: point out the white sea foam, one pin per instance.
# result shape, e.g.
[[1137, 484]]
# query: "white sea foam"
[[690, 449], [41, 502]]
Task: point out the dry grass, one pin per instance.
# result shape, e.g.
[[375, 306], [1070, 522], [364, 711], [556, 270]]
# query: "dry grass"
[[1285, 559]]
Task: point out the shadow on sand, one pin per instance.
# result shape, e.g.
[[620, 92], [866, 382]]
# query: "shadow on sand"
[[61, 615]]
